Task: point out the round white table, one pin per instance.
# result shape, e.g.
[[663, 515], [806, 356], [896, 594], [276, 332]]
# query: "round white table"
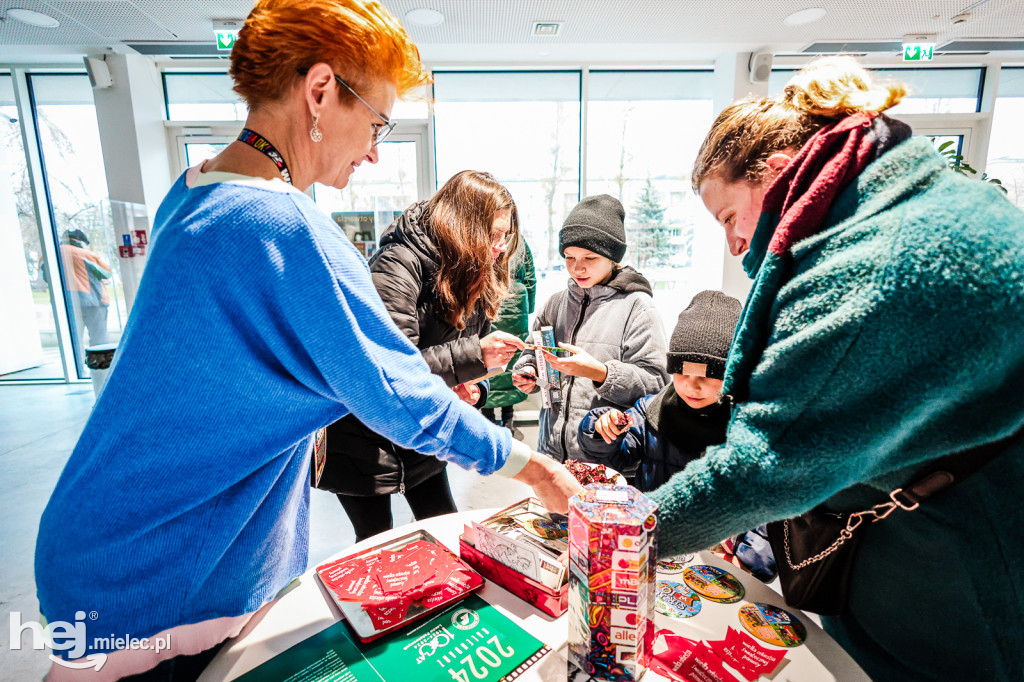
[[305, 609]]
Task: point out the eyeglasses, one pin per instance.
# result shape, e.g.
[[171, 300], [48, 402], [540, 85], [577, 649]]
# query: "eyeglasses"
[[380, 130], [502, 239]]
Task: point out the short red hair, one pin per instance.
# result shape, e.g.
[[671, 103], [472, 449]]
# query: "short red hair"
[[361, 41]]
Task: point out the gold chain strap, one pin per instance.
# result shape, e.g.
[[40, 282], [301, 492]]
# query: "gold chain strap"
[[879, 511]]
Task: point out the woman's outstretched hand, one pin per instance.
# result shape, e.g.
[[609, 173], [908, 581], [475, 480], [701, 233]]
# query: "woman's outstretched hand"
[[551, 482], [499, 347]]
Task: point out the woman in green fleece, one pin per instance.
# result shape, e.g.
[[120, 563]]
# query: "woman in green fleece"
[[885, 329]]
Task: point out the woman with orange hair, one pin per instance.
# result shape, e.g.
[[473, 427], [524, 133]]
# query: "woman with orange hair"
[[184, 507], [442, 272]]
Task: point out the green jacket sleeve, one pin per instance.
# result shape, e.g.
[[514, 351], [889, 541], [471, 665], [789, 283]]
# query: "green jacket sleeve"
[[888, 348], [529, 280]]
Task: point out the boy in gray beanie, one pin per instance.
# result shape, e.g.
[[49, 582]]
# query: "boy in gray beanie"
[[606, 319], [662, 433]]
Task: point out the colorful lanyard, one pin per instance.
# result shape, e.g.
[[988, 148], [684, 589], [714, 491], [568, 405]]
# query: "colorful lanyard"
[[262, 144]]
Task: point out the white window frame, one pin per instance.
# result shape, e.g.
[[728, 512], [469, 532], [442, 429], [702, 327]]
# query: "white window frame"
[[180, 133]]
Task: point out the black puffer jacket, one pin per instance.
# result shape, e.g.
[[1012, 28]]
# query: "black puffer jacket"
[[360, 462]]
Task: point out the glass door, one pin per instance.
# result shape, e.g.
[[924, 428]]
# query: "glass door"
[[377, 193], [76, 186]]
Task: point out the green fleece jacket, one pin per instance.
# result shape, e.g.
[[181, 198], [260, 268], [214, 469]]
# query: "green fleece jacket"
[[898, 338]]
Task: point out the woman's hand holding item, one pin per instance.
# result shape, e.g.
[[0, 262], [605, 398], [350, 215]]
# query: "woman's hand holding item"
[[579, 364], [551, 482], [499, 347], [468, 393], [607, 425]]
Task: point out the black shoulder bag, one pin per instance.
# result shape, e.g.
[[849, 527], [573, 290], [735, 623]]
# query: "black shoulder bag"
[[814, 552]]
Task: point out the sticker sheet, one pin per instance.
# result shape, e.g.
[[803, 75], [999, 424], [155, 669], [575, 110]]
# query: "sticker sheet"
[[714, 584]]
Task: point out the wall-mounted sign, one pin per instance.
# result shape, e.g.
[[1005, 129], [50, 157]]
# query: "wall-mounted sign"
[[226, 32], [918, 47]]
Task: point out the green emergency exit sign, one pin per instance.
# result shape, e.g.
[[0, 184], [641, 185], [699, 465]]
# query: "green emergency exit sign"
[[226, 32], [919, 47], [918, 53], [225, 39]]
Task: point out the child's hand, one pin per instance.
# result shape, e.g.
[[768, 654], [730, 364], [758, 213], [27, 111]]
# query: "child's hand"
[[468, 393], [608, 425], [525, 380], [579, 364]]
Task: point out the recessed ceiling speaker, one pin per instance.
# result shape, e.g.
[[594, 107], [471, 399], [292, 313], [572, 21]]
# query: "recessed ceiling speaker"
[[760, 67], [99, 73]]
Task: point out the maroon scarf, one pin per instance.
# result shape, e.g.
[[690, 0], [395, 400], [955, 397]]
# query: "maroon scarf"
[[794, 208]]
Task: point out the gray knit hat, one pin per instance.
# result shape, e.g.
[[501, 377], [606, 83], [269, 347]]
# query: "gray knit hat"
[[595, 224], [703, 335]]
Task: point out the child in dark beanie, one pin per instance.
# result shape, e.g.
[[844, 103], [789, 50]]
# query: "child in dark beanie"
[[669, 429], [606, 318]]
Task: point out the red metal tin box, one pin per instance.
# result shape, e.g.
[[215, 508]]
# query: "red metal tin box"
[[551, 601]]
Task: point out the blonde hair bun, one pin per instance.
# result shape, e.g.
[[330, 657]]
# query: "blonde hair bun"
[[838, 86]]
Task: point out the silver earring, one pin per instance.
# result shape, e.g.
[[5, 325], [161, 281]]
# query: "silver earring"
[[314, 132]]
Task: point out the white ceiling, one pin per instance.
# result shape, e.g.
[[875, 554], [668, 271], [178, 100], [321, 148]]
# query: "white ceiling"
[[488, 31]]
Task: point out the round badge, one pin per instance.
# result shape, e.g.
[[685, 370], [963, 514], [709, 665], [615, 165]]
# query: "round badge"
[[549, 530], [714, 584], [676, 564], [772, 624], [675, 599]]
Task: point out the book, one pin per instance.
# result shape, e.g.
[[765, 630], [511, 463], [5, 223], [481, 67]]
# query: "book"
[[470, 640], [548, 377]]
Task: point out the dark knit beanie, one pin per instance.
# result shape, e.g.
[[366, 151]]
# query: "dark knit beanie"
[[595, 224], [703, 334]]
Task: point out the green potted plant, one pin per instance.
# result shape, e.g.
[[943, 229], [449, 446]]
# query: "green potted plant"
[[956, 162]]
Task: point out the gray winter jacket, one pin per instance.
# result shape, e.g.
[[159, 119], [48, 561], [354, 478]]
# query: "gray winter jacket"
[[617, 323]]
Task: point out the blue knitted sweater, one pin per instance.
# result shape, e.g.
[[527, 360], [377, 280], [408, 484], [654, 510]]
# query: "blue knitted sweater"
[[187, 495], [897, 338]]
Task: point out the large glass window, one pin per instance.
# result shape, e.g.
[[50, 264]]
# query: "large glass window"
[[202, 97], [525, 129], [930, 91], [77, 190], [29, 347], [210, 97], [643, 132], [1006, 144]]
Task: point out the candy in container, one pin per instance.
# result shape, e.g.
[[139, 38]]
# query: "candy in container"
[[612, 559]]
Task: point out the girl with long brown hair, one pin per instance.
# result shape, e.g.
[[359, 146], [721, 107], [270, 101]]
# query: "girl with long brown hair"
[[442, 272]]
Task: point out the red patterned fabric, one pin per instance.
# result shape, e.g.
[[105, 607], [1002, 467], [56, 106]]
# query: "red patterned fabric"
[[803, 192]]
